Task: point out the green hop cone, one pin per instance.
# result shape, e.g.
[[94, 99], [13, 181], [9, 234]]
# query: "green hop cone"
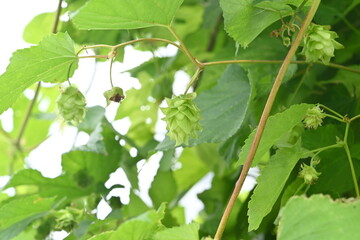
[[115, 94], [309, 174], [71, 104], [182, 118], [314, 117], [319, 43]]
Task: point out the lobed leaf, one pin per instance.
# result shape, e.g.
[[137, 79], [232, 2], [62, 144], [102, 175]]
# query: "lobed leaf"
[[319, 218], [48, 62], [129, 14], [188, 232]]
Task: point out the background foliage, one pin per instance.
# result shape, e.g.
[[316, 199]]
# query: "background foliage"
[[231, 98]]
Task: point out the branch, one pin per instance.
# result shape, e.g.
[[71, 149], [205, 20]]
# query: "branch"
[[264, 118]]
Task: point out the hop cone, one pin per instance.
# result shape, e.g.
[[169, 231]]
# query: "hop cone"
[[182, 118], [71, 104], [309, 174], [314, 117], [319, 43]]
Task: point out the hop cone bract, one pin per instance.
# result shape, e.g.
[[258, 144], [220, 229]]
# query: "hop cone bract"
[[319, 43], [71, 104], [182, 118]]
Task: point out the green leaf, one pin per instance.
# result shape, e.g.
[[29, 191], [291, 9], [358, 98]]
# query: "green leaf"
[[39, 27], [18, 213], [113, 14], [93, 117], [270, 184], [277, 127], [63, 186], [225, 103], [319, 218], [48, 62], [96, 166], [102, 236], [191, 171], [245, 20], [184, 232], [139, 228], [163, 188]]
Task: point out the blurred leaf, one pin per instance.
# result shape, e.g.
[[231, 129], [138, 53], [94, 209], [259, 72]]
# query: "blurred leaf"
[[188, 232], [49, 62], [141, 227], [39, 27], [277, 126], [270, 183], [163, 188], [111, 14], [191, 171], [135, 207], [93, 117], [18, 213], [313, 219]]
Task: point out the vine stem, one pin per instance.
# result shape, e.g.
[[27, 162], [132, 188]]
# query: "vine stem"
[[185, 49], [348, 154], [263, 119], [333, 65], [33, 101]]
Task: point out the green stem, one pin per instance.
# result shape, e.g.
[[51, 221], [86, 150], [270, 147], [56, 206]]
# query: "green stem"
[[334, 117], [263, 119], [185, 49], [111, 64], [333, 65], [193, 79], [354, 118], [337, 145], [348, 154], [333, 111], [129, 43]]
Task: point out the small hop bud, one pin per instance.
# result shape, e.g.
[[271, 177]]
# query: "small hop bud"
[[309, 174], [66, 219], [313, 117], [319, 43], [182, 118], [71, 104], [115, 94]]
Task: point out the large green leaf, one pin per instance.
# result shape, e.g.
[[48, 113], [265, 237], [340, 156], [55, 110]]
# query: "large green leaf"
[[18, 213], [270, 184], [245, 20], [319, 218], [226, 104], [114, 14], [276, 127], [184, 232], [48, 62]]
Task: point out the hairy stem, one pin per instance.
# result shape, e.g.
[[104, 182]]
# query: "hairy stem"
[[263, 119], [193, 79]]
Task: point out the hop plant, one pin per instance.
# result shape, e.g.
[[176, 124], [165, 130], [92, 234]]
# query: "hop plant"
[[182, 118], [314, 117], [309, 174], [319, 43], [71, 104]]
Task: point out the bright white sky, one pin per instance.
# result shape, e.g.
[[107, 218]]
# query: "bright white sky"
[[14, 16]]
